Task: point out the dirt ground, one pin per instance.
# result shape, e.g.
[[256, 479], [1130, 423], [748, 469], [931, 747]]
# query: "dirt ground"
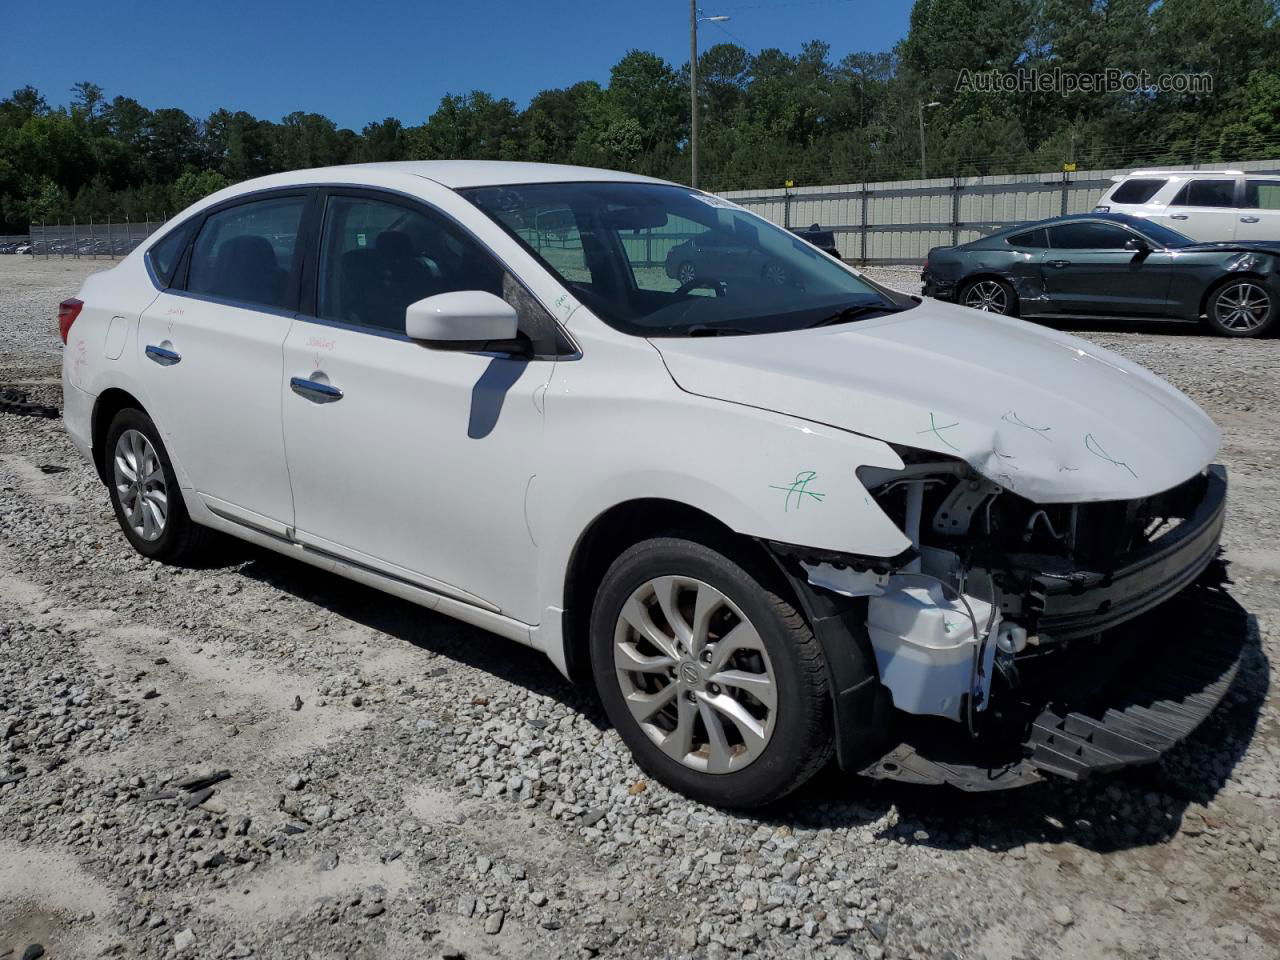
[[385, 782]]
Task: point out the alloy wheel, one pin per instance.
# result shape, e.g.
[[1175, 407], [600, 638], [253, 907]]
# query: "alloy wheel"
[[774, 273], [987, 295], [695, 674], [686, 272], [140, 485], [1242, 306]]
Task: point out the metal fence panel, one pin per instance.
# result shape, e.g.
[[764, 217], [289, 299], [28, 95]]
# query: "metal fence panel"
[[898, 221]]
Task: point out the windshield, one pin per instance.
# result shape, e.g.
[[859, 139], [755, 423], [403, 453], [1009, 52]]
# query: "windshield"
[[659, 260]]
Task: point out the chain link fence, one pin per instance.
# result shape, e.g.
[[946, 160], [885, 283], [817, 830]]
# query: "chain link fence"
[[110, 239]]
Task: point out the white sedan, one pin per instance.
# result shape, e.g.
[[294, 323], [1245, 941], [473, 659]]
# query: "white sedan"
[[775, 515]]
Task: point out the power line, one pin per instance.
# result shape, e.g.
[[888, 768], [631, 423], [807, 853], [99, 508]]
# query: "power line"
[[789, 3], [725, 30]]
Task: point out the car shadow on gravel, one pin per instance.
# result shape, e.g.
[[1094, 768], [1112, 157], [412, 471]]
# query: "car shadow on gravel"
[[428, 631], [1136, 807]]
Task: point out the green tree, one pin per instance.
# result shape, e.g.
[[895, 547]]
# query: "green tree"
[[195, 185]]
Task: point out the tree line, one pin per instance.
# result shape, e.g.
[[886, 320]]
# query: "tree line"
[[766, 117]]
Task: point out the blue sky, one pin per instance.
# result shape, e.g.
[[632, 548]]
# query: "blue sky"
[[365, 60]]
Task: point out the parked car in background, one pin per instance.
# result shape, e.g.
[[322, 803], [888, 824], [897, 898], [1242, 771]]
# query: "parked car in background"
[[725, 254], [824, 240], [1204, 205], [1110, 265], [777, 519]]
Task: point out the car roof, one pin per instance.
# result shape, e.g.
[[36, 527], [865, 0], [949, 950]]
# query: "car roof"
[[1182, 173], [1121, 218], [458, 174]]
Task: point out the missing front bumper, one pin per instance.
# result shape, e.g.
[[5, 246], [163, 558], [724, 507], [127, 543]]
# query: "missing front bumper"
[[1124, 701], [1066, 607]]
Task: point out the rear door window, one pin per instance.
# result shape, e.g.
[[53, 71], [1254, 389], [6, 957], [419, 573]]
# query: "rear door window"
[[1262, 194], [245, 254], [1088, 235], [1207, 193], [1138, 190]]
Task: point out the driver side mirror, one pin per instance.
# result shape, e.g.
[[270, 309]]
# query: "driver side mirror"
[[464, 320], [1137, 245]]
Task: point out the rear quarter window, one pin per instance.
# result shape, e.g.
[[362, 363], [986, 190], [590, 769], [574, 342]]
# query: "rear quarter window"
[[1036, 239], [1137, 191], [165, 255]]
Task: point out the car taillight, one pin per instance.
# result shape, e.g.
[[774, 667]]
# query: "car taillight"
[[68, 310]]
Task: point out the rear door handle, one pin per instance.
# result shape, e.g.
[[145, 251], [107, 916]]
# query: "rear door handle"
[[1177, 216], [1248, 219], [162, 355], [314, 390], [1059, 263]]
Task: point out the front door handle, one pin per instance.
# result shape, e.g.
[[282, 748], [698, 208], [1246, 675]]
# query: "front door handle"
[[314, 390], [1248, 219], [1059, 263], [1177, 216], [162, 355]]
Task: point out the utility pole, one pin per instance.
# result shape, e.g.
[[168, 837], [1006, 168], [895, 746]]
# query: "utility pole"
[[695, 17], [693, 92]]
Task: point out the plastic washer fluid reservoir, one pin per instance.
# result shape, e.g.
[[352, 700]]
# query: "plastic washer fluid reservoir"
[[925, 645]]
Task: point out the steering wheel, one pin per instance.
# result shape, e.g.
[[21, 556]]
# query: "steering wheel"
[[702, 283]]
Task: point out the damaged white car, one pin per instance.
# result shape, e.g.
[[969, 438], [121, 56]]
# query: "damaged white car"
[[774, 510]]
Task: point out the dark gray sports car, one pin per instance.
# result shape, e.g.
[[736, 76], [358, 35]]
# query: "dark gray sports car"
[[1111, 265]]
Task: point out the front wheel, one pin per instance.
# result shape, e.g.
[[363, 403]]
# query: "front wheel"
[[714, 681], [990, 296], [1241, 308]]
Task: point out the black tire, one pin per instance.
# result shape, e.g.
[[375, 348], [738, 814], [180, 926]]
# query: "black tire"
[[683, 275], [774, 272], [1216, 316], [801, 740], [181, 541], [1007, 307]]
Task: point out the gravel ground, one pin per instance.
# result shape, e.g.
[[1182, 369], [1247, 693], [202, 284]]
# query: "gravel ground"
[[258, 759]]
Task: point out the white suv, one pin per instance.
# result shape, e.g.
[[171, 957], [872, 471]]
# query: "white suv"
[[1209, 205], [773, 513]]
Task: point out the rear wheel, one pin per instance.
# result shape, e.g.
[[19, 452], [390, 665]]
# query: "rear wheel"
[[774, 272], [145, 495], [714, 681], [990, 296], [1241, 307], [686, 272]]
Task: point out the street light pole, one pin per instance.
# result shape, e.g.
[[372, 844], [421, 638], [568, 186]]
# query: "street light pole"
[[694, 19], [921, 106]]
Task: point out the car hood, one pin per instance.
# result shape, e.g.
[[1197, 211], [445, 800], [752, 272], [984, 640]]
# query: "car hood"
[[1044, 414], [1271, 247]]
